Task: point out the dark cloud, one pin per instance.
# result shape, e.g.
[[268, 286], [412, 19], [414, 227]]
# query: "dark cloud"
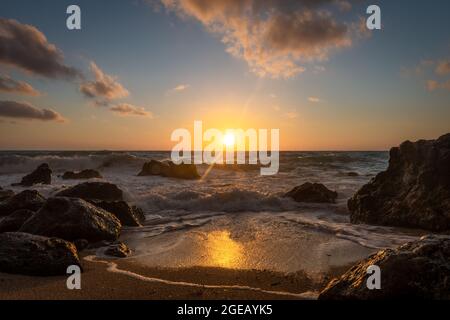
[[27, 48], [104, 88], [12, 86], [24, 110], [275, 37], [126, 109]]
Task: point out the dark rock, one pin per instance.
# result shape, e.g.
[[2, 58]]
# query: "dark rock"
[[417, 270], [413, 192], [43, 174], [93, 191], [72, 219], [85, 174], [13, 222], [28, 199], [169, 169], [119, 250], [5, 194], [128, 216], [81, 244], [99, 244], [352, 174], [312, 193], [22, 253]]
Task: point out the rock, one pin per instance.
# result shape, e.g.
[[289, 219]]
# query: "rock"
[[417, 270], [28, 199], [352, 174], [85, 174], [72, 219], [13, 222], [42, 174], [5, 194], [119, 250], [128, 216], [22, 253], [93, 191], [169, 169], [413, 192], [81, 244], [312, 193]]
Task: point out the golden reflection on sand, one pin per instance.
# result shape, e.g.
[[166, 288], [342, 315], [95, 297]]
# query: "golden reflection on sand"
[[222, 251]]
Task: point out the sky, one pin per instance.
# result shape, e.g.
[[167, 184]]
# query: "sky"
[[139, 69]]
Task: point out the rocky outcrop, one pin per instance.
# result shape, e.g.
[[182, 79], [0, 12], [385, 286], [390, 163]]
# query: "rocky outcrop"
[[85, 174], [169, 169], [14, 221], [131, 216], [42, 174], [93, 191], [312, 193], [413, 192], [118, 250], [417, 270], [72, 219], [5, 194], [28, 199], [22, 253]]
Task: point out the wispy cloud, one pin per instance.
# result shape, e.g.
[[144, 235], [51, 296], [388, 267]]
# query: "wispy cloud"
[[178, 88], [443, 68], [433, 85], [25, 47], [24, 110], [314, 99], [126, 109], [10, 85]]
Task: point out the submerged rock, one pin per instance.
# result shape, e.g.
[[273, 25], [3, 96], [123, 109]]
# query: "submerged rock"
[[93, 191], [417, 270], [312, 193], [72, 219], [28, 199], [169, 169], [14, 221], [22, 253], [119, 250], [131, 216], [42, 174], [413, 192], [85, 174]]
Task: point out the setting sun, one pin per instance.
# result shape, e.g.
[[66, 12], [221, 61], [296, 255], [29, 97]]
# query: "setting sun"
[[229, 140]]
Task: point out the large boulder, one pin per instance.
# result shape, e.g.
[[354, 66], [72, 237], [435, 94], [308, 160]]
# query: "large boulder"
[[417, 270], [22, 253], [85, 174], [72, 219], [413, 192], [28, 199], [131, 216], [14, 221], [312, 193], [169, 169], [93, 191], [42, 174]]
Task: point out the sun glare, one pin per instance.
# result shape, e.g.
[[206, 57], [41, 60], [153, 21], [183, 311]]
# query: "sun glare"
[[229, 140]]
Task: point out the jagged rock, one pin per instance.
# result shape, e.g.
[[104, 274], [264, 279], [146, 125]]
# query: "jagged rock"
[[14, 221], [22, 253], [312, 193], [72, 219], [169, 169], [417, 270], [131, 216], [42, 174], [5, 194], [93, 191], [413, 192], [28, 199], [85, 174], [119, 250]]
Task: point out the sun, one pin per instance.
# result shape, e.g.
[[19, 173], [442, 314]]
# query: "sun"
[[229, 140]]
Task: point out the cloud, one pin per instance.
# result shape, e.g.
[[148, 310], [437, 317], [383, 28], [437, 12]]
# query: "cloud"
[[274, 37], [104, 88], [24, 110], [12, 86], [126, 109], [433, 85], [27, 48], [314, 99], [443, 68], [179, 88]]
